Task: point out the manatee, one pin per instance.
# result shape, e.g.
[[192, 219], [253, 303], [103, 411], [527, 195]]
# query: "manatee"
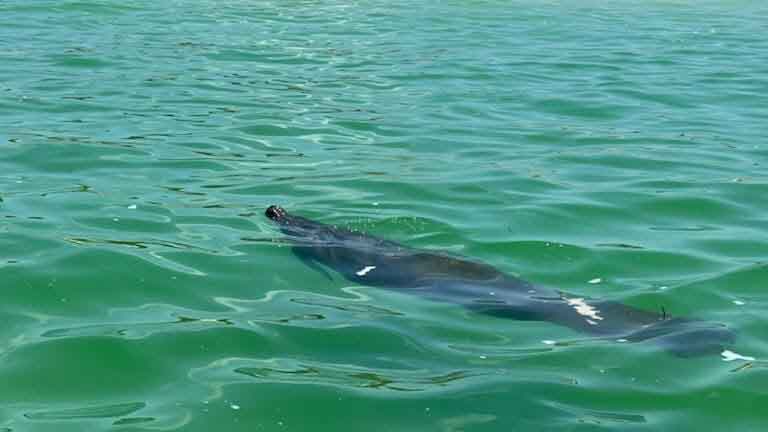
[[368, 260]]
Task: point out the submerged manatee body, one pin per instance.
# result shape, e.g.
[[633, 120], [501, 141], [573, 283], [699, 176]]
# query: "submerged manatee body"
[[369, 260]]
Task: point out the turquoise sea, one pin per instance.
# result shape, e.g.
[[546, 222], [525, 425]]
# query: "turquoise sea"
[[614, 149]]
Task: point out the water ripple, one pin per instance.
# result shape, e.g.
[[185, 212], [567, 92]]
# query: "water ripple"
[[103, 411], [290, 371]]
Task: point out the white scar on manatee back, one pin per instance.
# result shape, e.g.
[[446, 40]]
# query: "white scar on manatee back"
[[364, 271], [582, 308]]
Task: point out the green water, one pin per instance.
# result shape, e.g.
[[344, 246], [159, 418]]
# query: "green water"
[[565, 142]]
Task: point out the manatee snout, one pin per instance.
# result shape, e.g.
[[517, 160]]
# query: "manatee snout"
[[275, 212]]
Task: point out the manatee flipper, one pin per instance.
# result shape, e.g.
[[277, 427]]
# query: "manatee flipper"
[[306, 258]]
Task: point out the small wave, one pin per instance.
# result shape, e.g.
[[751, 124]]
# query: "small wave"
[[101, 411], [292, 371]]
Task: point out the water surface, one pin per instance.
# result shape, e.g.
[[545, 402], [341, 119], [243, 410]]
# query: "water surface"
[[564, 142]]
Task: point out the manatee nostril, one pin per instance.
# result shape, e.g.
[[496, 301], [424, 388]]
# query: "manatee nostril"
[[275, 212]]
